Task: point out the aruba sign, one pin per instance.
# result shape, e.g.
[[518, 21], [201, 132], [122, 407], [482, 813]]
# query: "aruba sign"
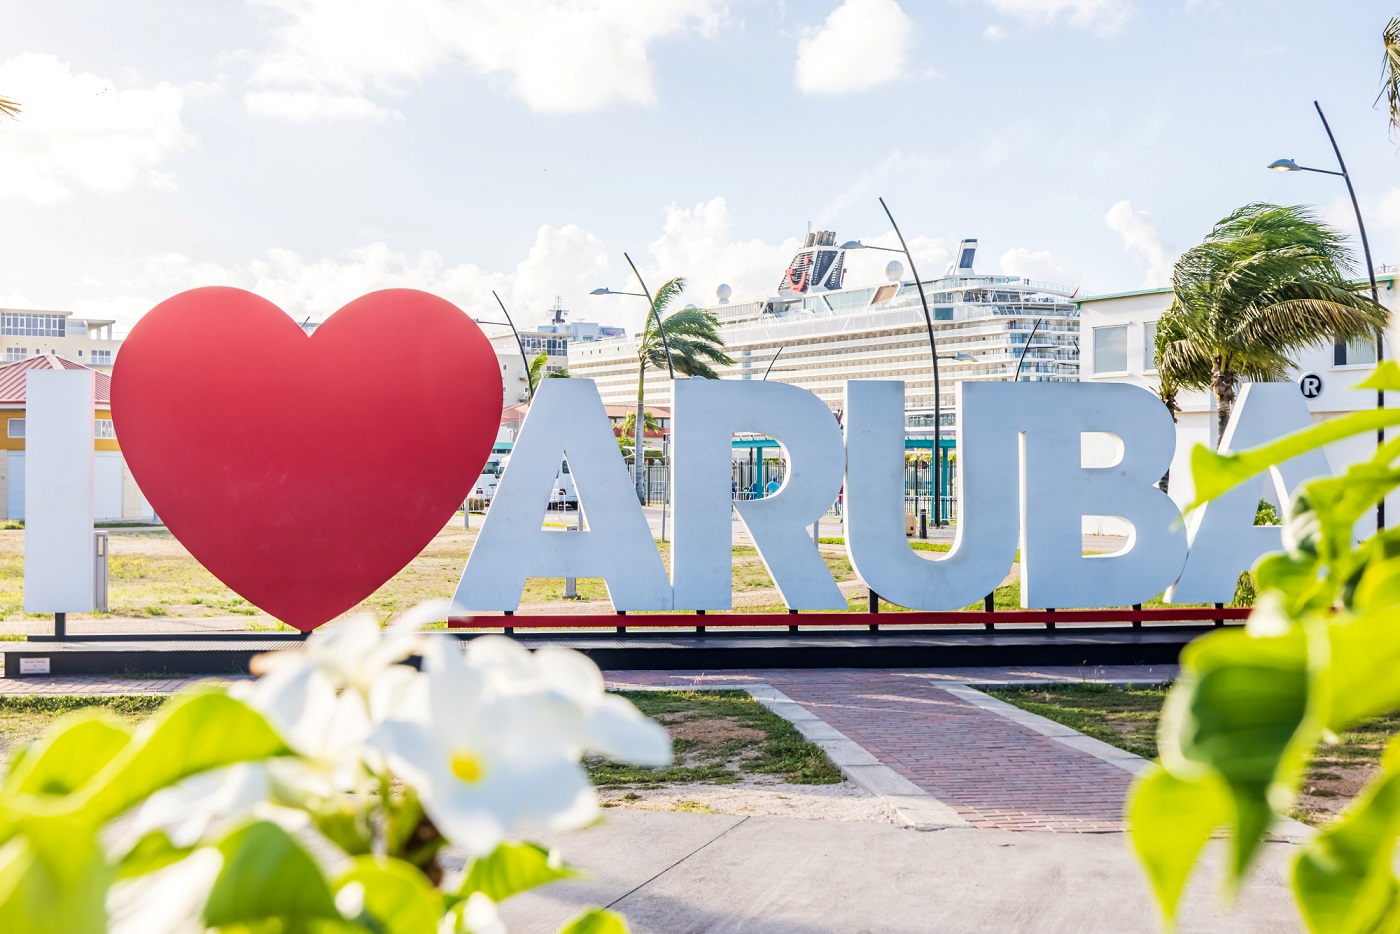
[[304, 472]]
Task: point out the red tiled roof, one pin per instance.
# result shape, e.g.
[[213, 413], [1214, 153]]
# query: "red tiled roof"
[[12, 378], [622, 411]]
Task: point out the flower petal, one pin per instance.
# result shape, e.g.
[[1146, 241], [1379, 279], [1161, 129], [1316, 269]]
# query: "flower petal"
[[620, 730]]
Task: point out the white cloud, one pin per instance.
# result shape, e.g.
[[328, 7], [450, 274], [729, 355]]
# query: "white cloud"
[[994, 33], [1140, 238], [1036, 264], [1387, 212], [556, 57], [81, 131], [1103, 16], [565, 261], [862, 44], [696, 243], [568, 261], [312, 106]]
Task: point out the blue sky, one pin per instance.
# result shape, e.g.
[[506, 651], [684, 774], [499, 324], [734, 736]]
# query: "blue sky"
[[312, 150]]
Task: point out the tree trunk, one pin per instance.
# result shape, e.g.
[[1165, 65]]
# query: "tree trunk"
[[639, 436], [1224, 384], [1169, 398]]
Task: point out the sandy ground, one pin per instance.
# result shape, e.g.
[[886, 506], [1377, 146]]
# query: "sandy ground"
[[757, 797]]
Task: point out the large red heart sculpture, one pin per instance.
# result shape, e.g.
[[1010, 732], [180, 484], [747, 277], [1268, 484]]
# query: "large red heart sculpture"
[[304, 472]]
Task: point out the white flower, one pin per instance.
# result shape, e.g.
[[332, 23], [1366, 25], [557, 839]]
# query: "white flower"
[[477, 915], [491, 739], [481, 760], [612, 726], [325, 696]]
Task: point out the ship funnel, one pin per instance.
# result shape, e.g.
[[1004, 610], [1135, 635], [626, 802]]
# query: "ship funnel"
[[962, 263]]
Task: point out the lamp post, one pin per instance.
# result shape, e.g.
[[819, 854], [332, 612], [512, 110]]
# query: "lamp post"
[[1288, 165], [771, 362], [638, 457], [1030, 346], [933, 353], [529, 380]]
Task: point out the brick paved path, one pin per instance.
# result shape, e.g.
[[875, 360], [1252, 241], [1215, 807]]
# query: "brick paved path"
[[993, 772]]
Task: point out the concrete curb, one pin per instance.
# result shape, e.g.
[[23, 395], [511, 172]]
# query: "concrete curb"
[[1287, 829], [911, 805]]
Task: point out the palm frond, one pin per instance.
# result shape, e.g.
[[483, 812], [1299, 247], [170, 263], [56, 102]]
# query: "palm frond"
[[1390, 72], [692, 334], [9, 108]]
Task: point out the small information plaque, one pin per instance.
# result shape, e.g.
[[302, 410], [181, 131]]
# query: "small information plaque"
[[34, 666]]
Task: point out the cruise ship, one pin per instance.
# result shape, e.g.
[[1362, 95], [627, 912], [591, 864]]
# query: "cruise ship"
[[823, 333]]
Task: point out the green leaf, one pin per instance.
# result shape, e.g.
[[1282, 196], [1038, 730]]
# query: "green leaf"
[[1386, 375], [152, 852], [41, 896], [266, 875], [1169, 821], [1343, 877], [1215, 474], [193, 733], [397, 897], [513, 868], [1361, 682], [65, 760], [596, 921], [1241, 708]]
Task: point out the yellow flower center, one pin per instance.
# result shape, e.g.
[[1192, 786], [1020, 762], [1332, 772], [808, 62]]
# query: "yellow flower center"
[[467, 767]]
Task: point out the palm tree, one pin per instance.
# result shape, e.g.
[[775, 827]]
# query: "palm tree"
[[537, 372], [1390, 71], [693, 336], [629, 427], [1266, 282], [1169, 381]]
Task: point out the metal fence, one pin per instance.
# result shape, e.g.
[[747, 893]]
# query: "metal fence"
[[749, 481]]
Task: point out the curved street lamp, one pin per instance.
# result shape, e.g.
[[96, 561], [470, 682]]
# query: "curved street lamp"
[[529, 380], [1030, 346], [638, 457], [933, 353], [1288, 165]]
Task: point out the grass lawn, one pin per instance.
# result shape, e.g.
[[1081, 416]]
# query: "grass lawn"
[[25, 719], [1126, 717], [719, 737]]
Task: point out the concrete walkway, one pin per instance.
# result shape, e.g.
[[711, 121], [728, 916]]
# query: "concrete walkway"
[[675, 873], [992, 770]]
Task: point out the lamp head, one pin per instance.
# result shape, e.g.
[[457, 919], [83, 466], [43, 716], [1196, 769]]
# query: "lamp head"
[[965, 356], [604, 291], [853, 245], [1284, 165]]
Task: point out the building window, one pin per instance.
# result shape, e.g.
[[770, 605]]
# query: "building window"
[[16, 428], [1111, 349], [16, 354], [33, 325], [1149, 346], [101, 358], [1355, 352], [103, 430]]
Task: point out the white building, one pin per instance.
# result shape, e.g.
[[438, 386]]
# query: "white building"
[[26, 333], [1116, 345], [552, 339]]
